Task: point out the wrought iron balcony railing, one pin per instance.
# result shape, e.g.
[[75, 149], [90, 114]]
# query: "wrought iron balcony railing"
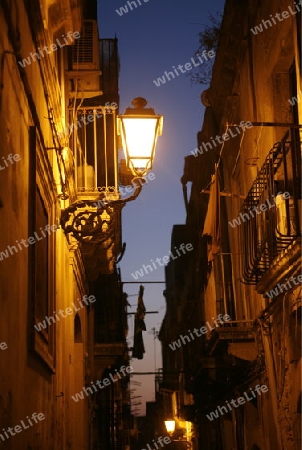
[[94, 148], [91, 217], [271, 211]]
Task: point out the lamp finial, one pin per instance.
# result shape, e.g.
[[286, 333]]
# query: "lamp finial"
[[139, 102]]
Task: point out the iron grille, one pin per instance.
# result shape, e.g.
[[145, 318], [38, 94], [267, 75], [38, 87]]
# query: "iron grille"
[[267, 233]]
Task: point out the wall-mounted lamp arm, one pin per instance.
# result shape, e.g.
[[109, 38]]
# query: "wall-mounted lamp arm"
[[83, 219]]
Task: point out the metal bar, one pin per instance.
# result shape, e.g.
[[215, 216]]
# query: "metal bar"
[[157, 373], [146, 312], [268, 124], [88, 108], [115, 149], [105, 147], [286, 185], [85, 150], [139, 282], [234, 286], [224, 194], [75, 150], [95, 150], [296, 169], [223, 253], [223, 285]]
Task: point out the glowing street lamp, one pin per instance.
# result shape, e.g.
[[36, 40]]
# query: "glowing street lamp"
[[91, 219], [170, 426], [139, 129]]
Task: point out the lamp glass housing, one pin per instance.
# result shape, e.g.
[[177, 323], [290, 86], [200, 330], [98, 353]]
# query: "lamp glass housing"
[[170, 425], [139, 135]]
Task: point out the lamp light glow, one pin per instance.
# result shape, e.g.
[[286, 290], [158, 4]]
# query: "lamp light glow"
[[170, 425], [139, 129]]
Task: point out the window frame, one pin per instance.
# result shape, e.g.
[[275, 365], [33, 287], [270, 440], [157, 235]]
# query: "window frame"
[[42, 343]]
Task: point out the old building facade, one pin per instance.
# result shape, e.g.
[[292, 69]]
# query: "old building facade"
[[63, 320], [242, 282]]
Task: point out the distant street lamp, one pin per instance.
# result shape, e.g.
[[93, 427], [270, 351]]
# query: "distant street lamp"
[[139, 129], [170, 426]]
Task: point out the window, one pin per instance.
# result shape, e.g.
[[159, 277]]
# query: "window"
[[41, 261], [41, 254]]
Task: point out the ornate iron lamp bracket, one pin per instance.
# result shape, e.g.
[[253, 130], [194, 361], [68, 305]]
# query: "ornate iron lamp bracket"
[[92, 221]]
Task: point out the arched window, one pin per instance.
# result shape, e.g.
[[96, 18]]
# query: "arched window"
[[77, 329]]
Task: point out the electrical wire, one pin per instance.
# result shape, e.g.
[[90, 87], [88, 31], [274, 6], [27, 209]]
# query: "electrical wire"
[[239, 151]]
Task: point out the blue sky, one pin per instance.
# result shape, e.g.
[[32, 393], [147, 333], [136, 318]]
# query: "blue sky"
[[153, 38]]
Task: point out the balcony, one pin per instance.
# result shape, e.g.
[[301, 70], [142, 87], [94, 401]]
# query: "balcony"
[[271, 220], [92, 172], [92, 133], [112, 349], [237, 336], [169, 381]]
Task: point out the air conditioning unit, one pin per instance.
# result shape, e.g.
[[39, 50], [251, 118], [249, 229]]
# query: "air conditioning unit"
[[85, 177], [86, 58], [85, 52], [281, 215]]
